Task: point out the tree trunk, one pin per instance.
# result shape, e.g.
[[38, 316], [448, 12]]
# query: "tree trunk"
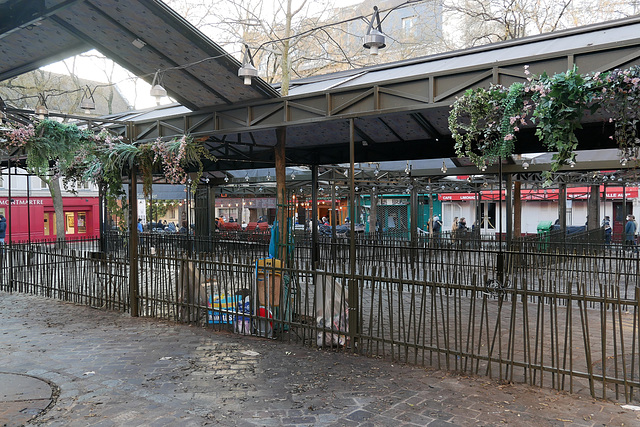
[[56, 197], [286, 72]]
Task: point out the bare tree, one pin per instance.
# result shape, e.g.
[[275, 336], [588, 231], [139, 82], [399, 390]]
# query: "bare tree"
[[476, 22], [275, 31]]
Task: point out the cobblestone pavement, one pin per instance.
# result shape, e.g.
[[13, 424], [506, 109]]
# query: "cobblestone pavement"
[[109, 369]]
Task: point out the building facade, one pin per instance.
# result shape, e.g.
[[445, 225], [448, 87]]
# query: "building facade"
[[30, 213]]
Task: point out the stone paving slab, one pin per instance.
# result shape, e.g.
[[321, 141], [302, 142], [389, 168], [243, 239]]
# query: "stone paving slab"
[[114, 370], [22, 398]]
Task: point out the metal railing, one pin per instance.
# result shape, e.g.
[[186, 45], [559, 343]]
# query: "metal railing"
[[558, 316]]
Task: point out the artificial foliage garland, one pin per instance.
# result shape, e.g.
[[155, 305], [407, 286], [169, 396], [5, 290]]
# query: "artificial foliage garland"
[[79, 155], [484, 122]]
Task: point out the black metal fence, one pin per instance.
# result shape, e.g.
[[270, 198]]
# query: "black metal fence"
[[554, 315]]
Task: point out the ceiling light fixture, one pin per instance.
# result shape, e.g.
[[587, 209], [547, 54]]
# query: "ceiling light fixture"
[[248, 69], [374, 39], [444, 167], [138, 43]]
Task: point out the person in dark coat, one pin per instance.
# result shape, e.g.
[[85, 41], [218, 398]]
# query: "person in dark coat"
[[3, 229], [606, 224], [630, 233]]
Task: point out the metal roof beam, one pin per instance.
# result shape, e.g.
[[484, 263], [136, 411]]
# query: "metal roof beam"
[[30, 12]]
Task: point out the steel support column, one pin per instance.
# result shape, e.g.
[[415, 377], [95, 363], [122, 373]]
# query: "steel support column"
[[315, 249], [430, 211], [509, 216], [9, 219], [413, 203], [354, 315], [133, 243], [211, 209], [332, 216], [373, 213]]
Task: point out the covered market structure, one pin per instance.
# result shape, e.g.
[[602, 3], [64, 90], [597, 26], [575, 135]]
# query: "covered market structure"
[[471, 304]]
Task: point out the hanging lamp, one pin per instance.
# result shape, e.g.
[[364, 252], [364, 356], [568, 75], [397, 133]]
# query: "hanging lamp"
[[88, 103], [248, 69], [374, 39], [157, 91]]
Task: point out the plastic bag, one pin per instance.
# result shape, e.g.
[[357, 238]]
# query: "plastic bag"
[[332, 312]]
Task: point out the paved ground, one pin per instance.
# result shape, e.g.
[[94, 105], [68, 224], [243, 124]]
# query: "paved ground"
[[107, 369]]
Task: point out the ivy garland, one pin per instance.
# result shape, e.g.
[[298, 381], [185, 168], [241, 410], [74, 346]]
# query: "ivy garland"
[[484, 122], [560, 103]]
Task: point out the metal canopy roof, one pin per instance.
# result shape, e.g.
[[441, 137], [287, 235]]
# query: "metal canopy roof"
[[400, 110], [143, 36]]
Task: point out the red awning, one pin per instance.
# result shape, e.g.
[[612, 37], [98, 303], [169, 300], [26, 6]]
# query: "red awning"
[[573, 193]]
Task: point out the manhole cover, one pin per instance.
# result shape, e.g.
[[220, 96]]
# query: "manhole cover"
[[22, 397]]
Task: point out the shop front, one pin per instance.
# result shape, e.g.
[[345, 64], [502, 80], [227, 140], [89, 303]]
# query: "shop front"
[[34, 219]]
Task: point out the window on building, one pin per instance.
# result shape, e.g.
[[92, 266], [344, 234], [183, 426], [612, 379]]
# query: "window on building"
[[82, 222], [1, 181], [43, 184], [488, 215], [70, 223], [408, 25], [450, 211]]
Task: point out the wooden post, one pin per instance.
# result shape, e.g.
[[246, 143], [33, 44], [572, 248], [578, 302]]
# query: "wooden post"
[[517, 209], [593, 216], [562, 206], [281, 193]]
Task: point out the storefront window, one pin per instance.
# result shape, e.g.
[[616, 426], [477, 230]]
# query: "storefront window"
[[70, 223], [82, 222]]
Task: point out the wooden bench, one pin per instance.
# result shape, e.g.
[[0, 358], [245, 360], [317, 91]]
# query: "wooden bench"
[[231, 226], [257, 226]]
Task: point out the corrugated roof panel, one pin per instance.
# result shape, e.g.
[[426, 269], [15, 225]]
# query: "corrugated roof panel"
[[503, 53], [110, 26]]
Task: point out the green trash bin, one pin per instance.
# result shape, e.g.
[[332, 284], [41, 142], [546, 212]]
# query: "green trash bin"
[[544, 234]]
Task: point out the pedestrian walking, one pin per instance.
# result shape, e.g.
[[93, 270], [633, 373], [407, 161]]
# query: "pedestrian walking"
[[437, 227], [606, 224], [3, 229], [630, 233]]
